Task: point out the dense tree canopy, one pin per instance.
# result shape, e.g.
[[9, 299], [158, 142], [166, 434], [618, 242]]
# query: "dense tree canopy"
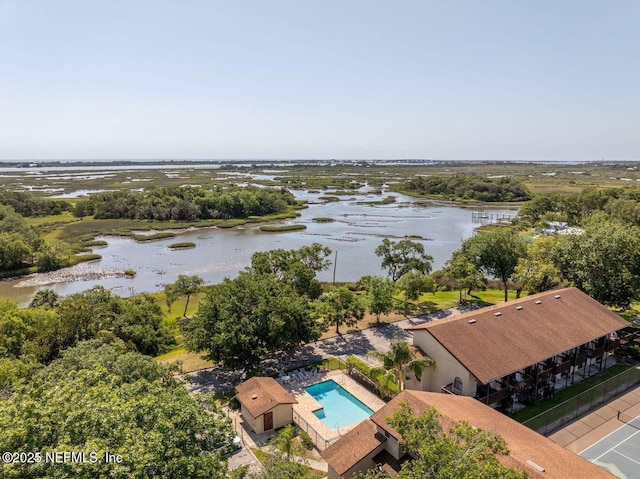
[[20, 246], [186, 203], [99, 398], [28, 204], [297, 268], [469, 186], [43, 332], [241, 320], [536, 271], [622, 204], [604, 261]]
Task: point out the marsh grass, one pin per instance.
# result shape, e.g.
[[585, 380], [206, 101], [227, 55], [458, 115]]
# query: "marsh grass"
[[281, 228], [184, 245]]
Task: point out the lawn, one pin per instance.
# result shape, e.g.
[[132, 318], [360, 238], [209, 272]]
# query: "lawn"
[[190, 361], [428, 303]]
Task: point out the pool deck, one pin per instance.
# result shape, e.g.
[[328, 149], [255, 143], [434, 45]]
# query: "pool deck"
[[307, 404]]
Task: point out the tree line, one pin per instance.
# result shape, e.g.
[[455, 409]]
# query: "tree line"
[[28, 204], [621, 204], [469, 187], [21, 247], [186, 203]]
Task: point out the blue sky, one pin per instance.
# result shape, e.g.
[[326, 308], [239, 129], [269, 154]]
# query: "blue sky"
[[477, 80]]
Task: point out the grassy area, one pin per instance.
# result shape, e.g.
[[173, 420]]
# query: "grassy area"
[[190, 361], [565, 395]]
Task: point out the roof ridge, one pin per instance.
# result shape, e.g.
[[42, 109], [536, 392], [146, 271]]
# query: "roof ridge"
[[490, 307]]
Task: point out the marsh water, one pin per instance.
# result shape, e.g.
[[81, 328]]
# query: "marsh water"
[[358, 227]]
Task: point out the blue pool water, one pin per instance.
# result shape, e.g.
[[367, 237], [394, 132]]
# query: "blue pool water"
[[340, 408]]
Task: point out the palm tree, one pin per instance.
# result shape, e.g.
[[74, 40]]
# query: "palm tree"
[[397, 360]]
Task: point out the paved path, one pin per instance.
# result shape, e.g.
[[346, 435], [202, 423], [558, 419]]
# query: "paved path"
[[357, 343]]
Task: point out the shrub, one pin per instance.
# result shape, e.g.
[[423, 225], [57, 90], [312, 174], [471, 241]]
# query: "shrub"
[[306, 439]]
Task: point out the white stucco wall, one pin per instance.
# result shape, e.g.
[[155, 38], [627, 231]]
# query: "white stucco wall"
[[282, 415], [446, 369]]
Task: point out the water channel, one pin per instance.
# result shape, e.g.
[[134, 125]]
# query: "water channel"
[[358, 227]]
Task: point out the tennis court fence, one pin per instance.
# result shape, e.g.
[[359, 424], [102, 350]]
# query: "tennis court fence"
[[563, 413]]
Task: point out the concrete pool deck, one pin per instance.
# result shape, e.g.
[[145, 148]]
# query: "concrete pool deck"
[[303, 411]]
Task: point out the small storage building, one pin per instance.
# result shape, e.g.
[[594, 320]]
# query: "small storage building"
[[265, 404]]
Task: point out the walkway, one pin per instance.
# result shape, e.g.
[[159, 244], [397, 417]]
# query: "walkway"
[[357, 343]]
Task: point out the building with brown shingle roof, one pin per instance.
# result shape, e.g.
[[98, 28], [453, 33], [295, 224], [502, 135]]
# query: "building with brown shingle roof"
[[374, 443], [520, 349], [265, 404]]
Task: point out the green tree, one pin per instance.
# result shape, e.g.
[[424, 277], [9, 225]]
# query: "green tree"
[[240, 321], [296, 267], [380, 296], [398, 359], [460, 451], [52, 255], [45, 297], [536, 270], [462, 269], [14, 251], [340, 307], [604, 261], [97, 312], [20, 327], [276, 466], [496, 254], [413, 284], [100, 398], [183, 286], [403, 256]]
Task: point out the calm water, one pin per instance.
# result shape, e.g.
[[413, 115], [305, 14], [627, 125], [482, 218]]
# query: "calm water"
[[340, 408], [357, 230]]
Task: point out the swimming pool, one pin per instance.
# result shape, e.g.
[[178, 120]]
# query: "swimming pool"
[[340, 408]]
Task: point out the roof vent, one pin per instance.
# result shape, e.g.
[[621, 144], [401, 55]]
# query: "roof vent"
[[557, 296], [538, 302], [471, 321], [255, 396], [535, 466], [518, 308], [498, 313]]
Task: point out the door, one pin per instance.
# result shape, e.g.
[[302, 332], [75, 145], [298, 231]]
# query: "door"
[[268, 421]]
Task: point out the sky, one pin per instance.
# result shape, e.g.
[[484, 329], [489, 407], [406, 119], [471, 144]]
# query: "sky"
[[298, 79]]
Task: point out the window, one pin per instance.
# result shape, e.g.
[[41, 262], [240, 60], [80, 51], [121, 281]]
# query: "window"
[[457, 385]]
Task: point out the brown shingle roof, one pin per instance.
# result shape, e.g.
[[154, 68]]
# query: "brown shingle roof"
[[527, 331], [260, 395], [523, 443], [353, 447]]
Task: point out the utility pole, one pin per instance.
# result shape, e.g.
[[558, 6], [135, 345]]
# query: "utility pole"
[[335, 263]]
